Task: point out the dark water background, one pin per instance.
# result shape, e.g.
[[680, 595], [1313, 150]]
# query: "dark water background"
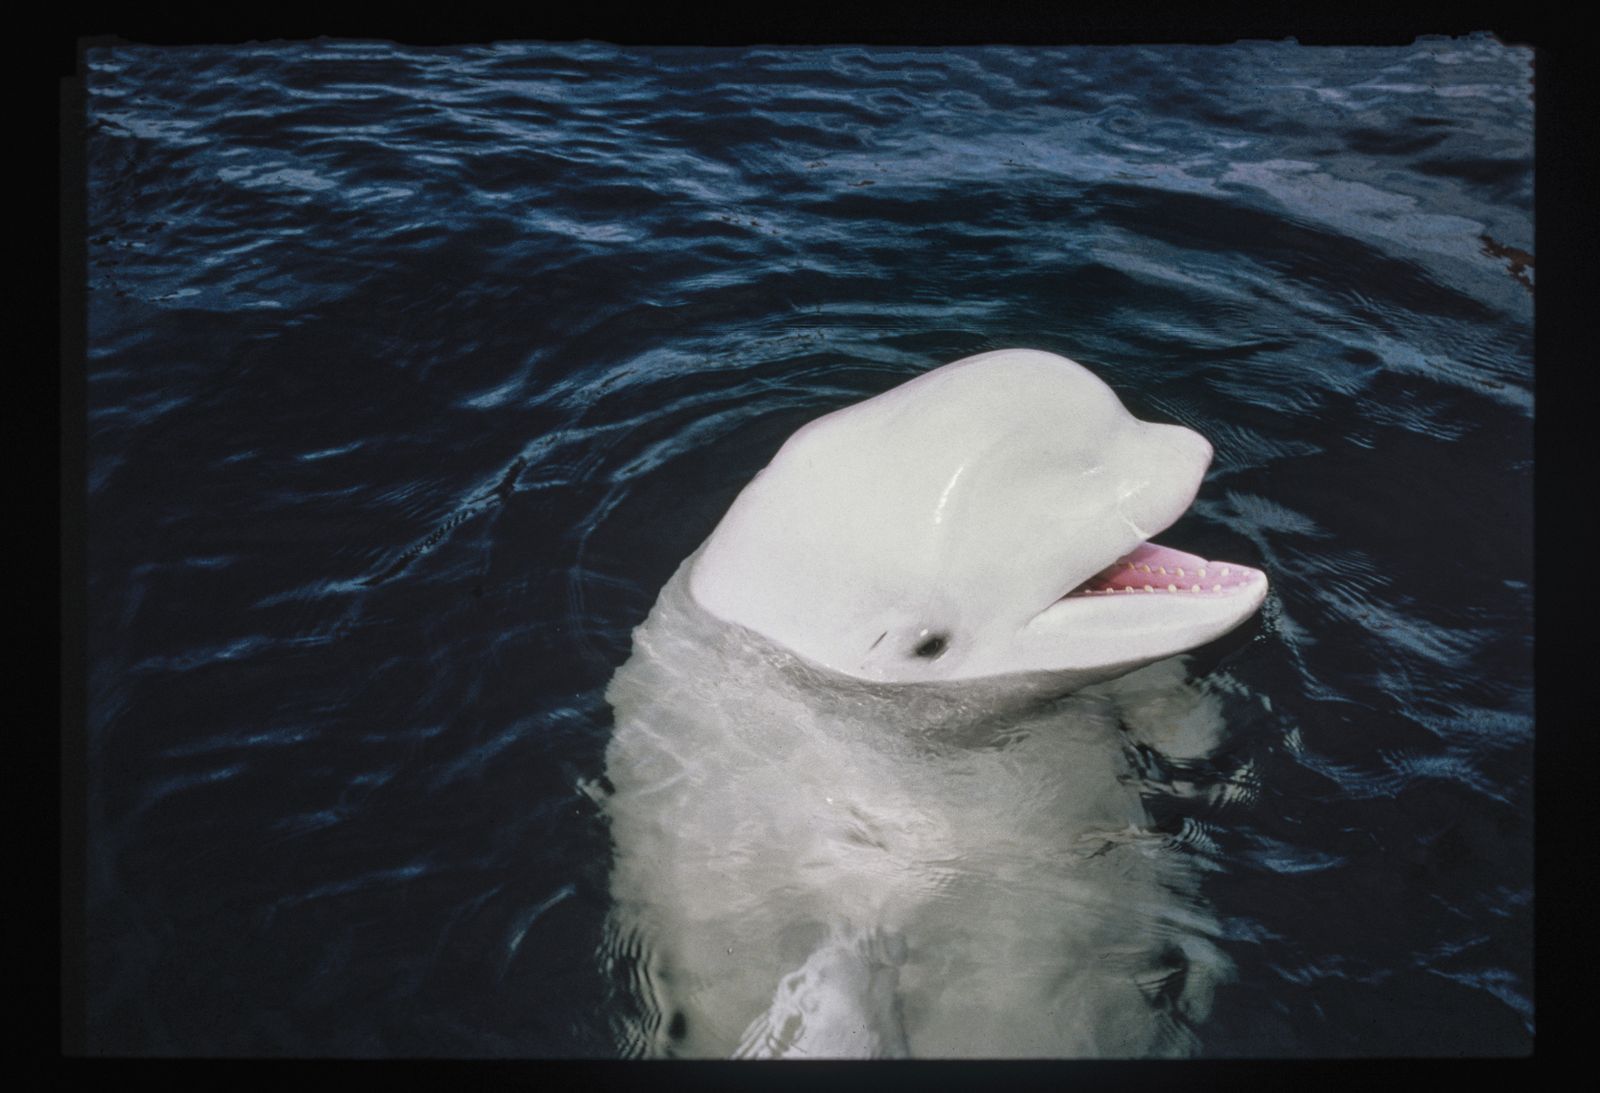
[[413, 373]]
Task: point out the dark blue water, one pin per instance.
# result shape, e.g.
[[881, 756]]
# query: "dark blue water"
[[414, 373]]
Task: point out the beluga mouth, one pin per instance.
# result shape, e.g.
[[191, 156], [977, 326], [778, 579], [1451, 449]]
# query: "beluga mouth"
[[1160, 570]]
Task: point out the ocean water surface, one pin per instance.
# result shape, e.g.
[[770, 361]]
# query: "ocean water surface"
[[414, 373]]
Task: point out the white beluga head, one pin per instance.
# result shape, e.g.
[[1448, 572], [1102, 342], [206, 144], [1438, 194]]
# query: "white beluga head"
[[989, 518]]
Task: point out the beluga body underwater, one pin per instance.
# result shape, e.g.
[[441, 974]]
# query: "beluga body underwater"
[[860, 799]]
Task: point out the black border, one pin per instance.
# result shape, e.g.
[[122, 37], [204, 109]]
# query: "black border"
[[1565, 238]]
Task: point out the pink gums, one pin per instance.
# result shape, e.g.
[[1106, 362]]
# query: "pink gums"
[[1153, 568]]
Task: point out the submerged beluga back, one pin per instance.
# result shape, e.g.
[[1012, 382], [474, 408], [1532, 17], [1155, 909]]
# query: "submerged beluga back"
[[857, 809]]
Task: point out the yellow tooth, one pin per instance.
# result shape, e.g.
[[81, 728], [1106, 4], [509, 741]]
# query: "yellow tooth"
[[1194, 588], [1180, 572], [1202, 573], [1161, 568], [1226, 571], [1145, 568], [1172, 588], [1216, 588], [1147, 588]]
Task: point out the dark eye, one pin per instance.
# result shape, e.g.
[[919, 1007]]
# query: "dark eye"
[[931, 646]]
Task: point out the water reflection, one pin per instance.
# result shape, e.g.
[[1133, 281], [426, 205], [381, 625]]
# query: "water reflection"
[[808, 868]]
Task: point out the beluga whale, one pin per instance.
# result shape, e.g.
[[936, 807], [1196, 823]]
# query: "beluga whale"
[[871, 785]]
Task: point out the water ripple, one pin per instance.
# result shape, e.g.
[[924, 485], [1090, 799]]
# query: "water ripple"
[[413, 373]]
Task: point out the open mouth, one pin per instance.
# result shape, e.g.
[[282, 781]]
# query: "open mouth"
[[1153, 569]]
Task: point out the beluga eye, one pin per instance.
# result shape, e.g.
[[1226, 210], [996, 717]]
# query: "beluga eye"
[[931, 645]]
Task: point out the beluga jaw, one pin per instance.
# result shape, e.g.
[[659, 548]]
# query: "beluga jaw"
[[988, 518]]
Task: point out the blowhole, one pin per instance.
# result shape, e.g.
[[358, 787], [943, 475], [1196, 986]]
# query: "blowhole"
[[932, 645]]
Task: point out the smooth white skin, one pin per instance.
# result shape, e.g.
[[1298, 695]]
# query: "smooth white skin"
[[829, 846], [965, 503]]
